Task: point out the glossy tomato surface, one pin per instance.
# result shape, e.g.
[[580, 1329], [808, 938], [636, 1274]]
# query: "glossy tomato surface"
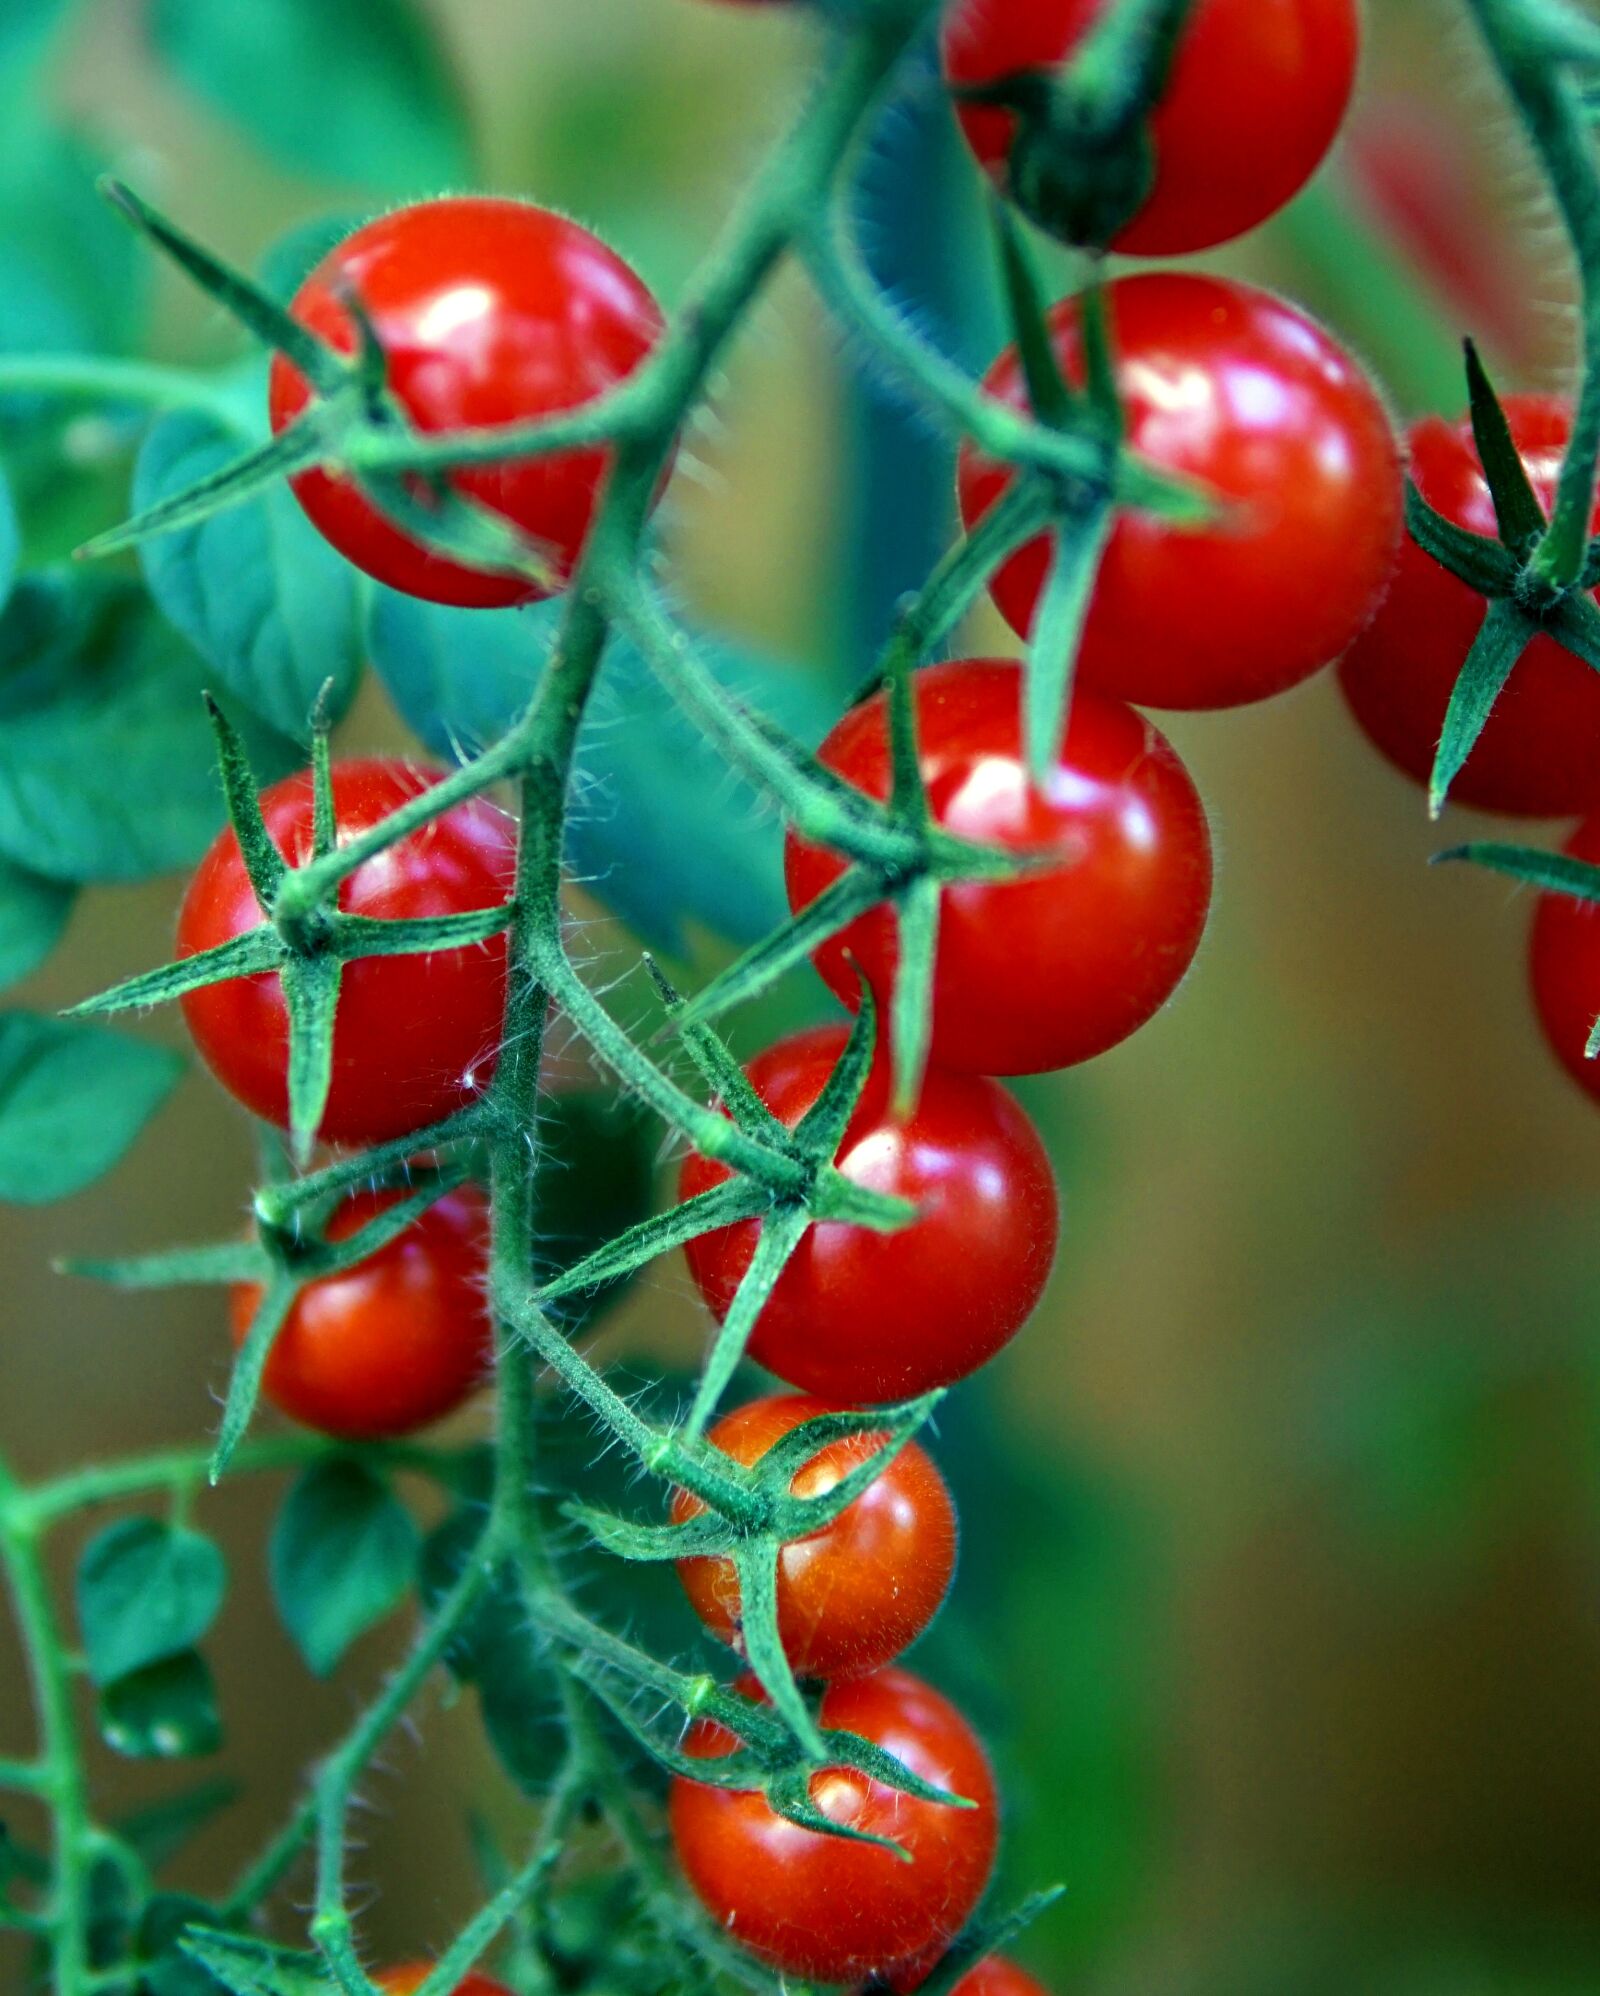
[[395, 1342], [415, 1037], [1564, 962], [409, 1977], [814, 1905], [490, 312], [1539, 755], [995, 1977], [1231, 388], [852, 1596], [1256, 94], [860, 1317], [1054, 967]]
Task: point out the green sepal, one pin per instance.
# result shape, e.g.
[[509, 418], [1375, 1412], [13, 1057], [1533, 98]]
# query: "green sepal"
[[1554, 872], [1099, 360], [798, 1517], [1575, 623], [916, 916], [719, 1070], [1505, 635], [449, 524], [821, 1129], [782, 1230], [306, 441], [354, 936], [851, 1750], [835, 1197], [756, 1563], [1481, 562], [1050, 396], [219, 1262], [247, 1966], [263, 863], [249, 955], [256, 310], [1080, 542], [1517, 510], [431, 1184], [250, 1362], [742, 1770], [789, 1795], [722, 1206], [704, 1536], [311, 999]]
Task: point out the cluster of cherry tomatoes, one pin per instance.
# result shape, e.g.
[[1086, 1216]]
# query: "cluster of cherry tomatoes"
[[493, 312]]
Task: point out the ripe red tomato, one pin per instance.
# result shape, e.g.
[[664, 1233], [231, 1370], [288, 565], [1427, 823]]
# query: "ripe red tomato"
[[410, 1976], [818, 1906], [393, 1343], [854, 1595], [859, 1317], [1054, 967], [1234, 389], [994, 1977], [1564, 961], [416, 1036], [1256, 94], [490, 312], [1539, 756]]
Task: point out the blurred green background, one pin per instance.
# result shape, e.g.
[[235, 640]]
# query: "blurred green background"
[[1282, 1568]]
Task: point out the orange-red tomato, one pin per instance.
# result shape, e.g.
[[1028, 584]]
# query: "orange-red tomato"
[[819, 1906], [1564, 965], [395, 1342], [852, 1596], [410, 1976]]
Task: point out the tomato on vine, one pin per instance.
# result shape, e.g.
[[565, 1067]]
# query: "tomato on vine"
[[821, 1906], [1539, 753], [409, 1977], [859, 1317], [395, 1342], [1564, 966], [1256, 403], [415, 1037], [994, 1977], [489, 312], [1056, 966], [1255, 96], [852, 1596]]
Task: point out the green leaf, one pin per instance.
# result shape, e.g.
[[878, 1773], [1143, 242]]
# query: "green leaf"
[[343, 1553], [72, 1099], [643, 771], [146, 1591], [33, 912], [10, 540], [247, 1966], [166, 1712], [74, 279], [160, 1831], [162, 1927], [349, 89], [106, 762], [256, 590]]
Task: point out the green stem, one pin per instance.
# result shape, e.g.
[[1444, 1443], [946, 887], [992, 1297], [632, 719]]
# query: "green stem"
[[136, 384]]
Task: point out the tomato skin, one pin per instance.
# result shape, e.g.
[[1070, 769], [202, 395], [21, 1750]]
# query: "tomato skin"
[[994, 1977], [409, 1976], [1239, 392], [395, 1342], [854, 1595], [415, 1037], [491, 312], [858, 1317], [1053, 968], [1564, 967], [817, 1906], [1539, 755], [1257, 93]]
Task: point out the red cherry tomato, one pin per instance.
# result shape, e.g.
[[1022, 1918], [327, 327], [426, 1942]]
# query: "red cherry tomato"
[[859, 1317], [1232, 388], [415, 1036], [1056, 966], [393, 1343], [854, 1595], [819, 1906], [410, 1976], [1564, 961], [994, 1977], [1539, 756], [490, 312], [1257, 91]]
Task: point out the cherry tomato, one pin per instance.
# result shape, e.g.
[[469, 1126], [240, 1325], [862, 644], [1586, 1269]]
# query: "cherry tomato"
[[1056, 966], [852, 1596], [415, 1037], [410, 1976], [393, 1343], [1239, 392], [1256, 94], [819, 1906], [860, 1317], [1564, 962], [1539, 755], [489, 312], [994, 1977]]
